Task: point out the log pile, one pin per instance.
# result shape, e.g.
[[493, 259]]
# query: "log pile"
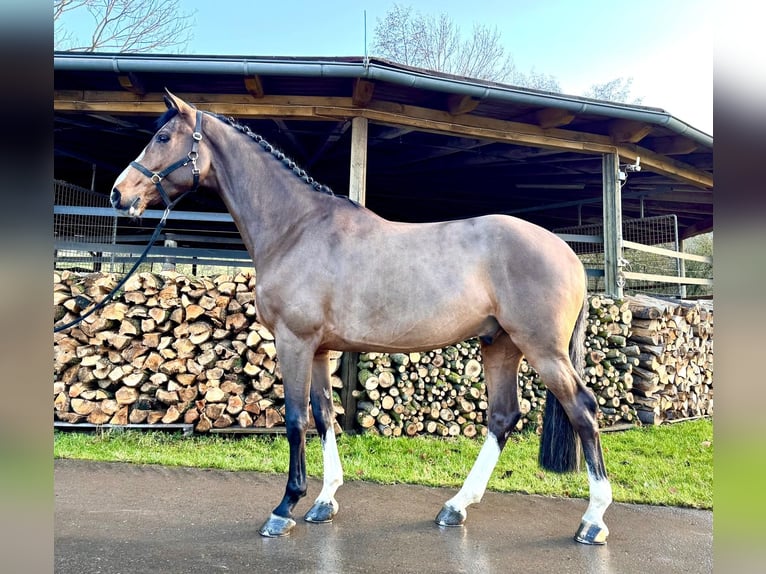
[[609, 360], [440, 392], [674, 376], [171, 348], [443, 393], [168, 349]]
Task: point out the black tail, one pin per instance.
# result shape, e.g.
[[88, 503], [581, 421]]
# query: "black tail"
[[559, 443]]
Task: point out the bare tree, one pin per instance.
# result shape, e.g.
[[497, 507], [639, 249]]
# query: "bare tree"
[[617, 90], [436, 43], [538, 81], [124, 25]]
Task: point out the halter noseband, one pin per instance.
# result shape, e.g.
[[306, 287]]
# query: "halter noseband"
[[157, 176]]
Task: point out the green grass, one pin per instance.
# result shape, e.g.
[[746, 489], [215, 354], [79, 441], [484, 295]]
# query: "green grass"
[[669, 465]]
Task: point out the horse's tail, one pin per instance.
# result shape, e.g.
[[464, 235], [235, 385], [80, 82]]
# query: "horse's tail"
[[559, 443]]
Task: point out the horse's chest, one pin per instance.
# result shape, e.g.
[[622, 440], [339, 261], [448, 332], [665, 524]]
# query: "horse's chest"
[[298, 310]]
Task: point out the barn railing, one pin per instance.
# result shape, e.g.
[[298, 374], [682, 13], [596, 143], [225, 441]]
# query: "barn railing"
[[88, 236], [652, 259]]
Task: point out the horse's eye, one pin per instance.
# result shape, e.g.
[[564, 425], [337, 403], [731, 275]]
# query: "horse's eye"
[[163, 138]]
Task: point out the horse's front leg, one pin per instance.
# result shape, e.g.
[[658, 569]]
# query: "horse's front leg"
[[501, 366], [325, 507], [295, 358]]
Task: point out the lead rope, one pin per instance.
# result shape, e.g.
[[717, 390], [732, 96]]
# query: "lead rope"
[[156, 178], [119, 285]]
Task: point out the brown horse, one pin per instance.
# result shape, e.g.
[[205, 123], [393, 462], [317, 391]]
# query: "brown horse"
[[321, 260]]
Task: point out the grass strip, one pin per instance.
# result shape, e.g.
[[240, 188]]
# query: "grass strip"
[[670, 465]]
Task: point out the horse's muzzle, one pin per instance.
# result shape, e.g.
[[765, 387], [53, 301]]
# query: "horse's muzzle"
[[117, 203], [115, 198]]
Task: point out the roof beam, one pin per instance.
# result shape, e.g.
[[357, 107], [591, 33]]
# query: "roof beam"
[[704, 226], [132, 83], [553, 118], [290, 135], [457, 104], [463, 145], [254, 86], [628, 131], [336, 133], [390, 133], [312, 107], [363, 92], [680, 197], [673, 145]]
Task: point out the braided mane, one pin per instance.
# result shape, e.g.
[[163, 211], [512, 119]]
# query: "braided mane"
[[286, 161]]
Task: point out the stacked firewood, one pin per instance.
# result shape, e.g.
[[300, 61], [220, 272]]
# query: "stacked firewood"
[[442, 392], [168, 349], [609, 361], [176, 349], [674, 376]]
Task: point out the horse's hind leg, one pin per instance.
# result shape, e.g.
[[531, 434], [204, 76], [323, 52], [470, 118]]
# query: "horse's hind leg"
[[571, 411], [501, 363], [325, 506]]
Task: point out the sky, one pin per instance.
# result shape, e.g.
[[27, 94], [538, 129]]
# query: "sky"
[[665, 46]]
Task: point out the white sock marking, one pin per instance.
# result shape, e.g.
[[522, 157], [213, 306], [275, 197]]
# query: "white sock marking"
[[600, 499], [333, 471], [476, 482]]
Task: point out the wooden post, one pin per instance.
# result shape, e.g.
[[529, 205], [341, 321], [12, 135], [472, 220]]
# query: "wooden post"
[[681, 265], [357, 188], [168, 264], [357, 185], [613, 279]]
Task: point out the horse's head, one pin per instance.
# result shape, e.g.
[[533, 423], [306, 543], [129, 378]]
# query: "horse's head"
[[175, 161]]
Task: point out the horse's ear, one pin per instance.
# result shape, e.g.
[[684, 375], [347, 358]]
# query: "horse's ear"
[[172, 101]]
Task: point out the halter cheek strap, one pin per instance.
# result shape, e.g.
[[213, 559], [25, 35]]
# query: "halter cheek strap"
[[157, 176]]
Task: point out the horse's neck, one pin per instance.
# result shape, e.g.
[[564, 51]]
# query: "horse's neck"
[[264, 198]]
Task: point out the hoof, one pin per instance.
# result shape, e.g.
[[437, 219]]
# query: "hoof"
[[321, 512], [590, 533], [448, 516], [276, 526]]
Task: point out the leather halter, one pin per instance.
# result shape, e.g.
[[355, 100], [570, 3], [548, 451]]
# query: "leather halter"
[[157, 176]]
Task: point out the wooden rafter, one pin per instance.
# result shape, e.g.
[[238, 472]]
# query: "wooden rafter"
[[553, 118], [628, 131], [132, 83], [290, 135], [363, 91], [418, 118], [391, 132], [457, 104], [703, 226], [329, 141], [254, 86], [673, 145]]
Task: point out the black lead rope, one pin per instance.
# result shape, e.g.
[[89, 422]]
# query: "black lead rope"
[[119, 285], [156, 178]]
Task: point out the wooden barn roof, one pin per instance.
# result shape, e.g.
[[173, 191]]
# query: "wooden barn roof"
[[439, 146]]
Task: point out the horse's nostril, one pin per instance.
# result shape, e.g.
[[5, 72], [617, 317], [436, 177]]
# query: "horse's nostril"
[[115, 197]]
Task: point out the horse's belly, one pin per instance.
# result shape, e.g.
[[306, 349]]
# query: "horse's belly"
[[407, 329]]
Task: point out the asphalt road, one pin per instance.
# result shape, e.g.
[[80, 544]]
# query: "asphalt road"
[[130, 519]]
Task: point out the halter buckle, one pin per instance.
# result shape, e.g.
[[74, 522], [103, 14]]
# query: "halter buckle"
[[155, 179], [197, 136]]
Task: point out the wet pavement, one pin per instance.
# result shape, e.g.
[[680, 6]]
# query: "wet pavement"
[[131, 519]]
